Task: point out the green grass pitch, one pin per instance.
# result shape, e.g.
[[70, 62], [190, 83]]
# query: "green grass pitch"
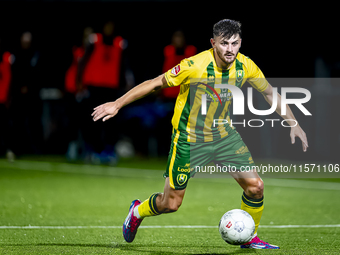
[[86, 205]]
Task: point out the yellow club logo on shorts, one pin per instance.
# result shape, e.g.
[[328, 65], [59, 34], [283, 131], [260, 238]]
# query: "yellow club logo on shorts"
[[182, 179]]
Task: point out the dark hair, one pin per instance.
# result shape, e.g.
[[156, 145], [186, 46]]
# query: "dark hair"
[[227, 28]]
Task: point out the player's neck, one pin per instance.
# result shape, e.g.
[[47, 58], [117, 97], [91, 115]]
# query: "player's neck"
[[220, 63]]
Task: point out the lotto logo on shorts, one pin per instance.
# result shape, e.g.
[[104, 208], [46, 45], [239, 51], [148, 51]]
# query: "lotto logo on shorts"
[[176, 70], [184, 169]]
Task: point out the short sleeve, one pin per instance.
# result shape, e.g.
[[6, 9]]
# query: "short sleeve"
[[255, 77], [179, 75]]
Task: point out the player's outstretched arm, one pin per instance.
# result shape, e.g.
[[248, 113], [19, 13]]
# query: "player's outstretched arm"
[[110, 109], [296, 131]]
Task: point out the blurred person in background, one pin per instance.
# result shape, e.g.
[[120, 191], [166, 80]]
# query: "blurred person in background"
[[5, 83], [103, 73], [26, 106], [174, 53], [71, 85], [153, 116], [74, 96]]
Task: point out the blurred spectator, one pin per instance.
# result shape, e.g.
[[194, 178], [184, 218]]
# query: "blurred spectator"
[[5, 82], [71, 85], [73, 97], [25, 107], [103, 73], [153, 118], [173, 54]]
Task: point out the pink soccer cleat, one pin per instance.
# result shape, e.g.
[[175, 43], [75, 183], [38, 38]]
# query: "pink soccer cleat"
[[257, 243], [131, 223]]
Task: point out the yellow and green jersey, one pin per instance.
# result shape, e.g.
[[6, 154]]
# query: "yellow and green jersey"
[[198, 75]]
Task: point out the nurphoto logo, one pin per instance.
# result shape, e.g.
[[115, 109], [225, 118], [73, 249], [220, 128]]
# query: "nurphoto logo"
[[238, 104]]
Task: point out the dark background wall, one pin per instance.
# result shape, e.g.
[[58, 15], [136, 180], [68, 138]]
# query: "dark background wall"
[[283, 39]]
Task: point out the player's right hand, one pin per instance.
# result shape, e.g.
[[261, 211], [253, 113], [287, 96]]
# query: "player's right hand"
[[105, 111]]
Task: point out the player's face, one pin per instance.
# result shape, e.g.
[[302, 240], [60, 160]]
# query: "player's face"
[[226, 49]]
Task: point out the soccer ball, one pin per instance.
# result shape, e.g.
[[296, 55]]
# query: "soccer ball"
[[236, 227]]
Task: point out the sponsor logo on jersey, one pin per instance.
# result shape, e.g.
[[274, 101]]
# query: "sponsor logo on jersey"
[[224, 95], [212, 89], [176, 70]]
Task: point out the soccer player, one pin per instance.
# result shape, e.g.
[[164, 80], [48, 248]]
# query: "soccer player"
[[195, 140]]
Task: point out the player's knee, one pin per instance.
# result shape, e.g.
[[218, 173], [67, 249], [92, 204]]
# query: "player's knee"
[[174, 205], [169, 204], [255, 188]]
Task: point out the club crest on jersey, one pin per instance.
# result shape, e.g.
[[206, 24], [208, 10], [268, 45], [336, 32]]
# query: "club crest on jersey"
[[176, 70], [182, 179], [239, 75]]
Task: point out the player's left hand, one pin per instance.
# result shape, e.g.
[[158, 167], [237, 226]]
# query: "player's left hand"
[[106, 111], [298, 132]]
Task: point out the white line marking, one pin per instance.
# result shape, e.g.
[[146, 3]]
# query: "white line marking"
[[180, 227], [301, 226]]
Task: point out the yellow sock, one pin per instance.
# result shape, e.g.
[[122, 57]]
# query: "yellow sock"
[[148, 207], [254, 207]]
